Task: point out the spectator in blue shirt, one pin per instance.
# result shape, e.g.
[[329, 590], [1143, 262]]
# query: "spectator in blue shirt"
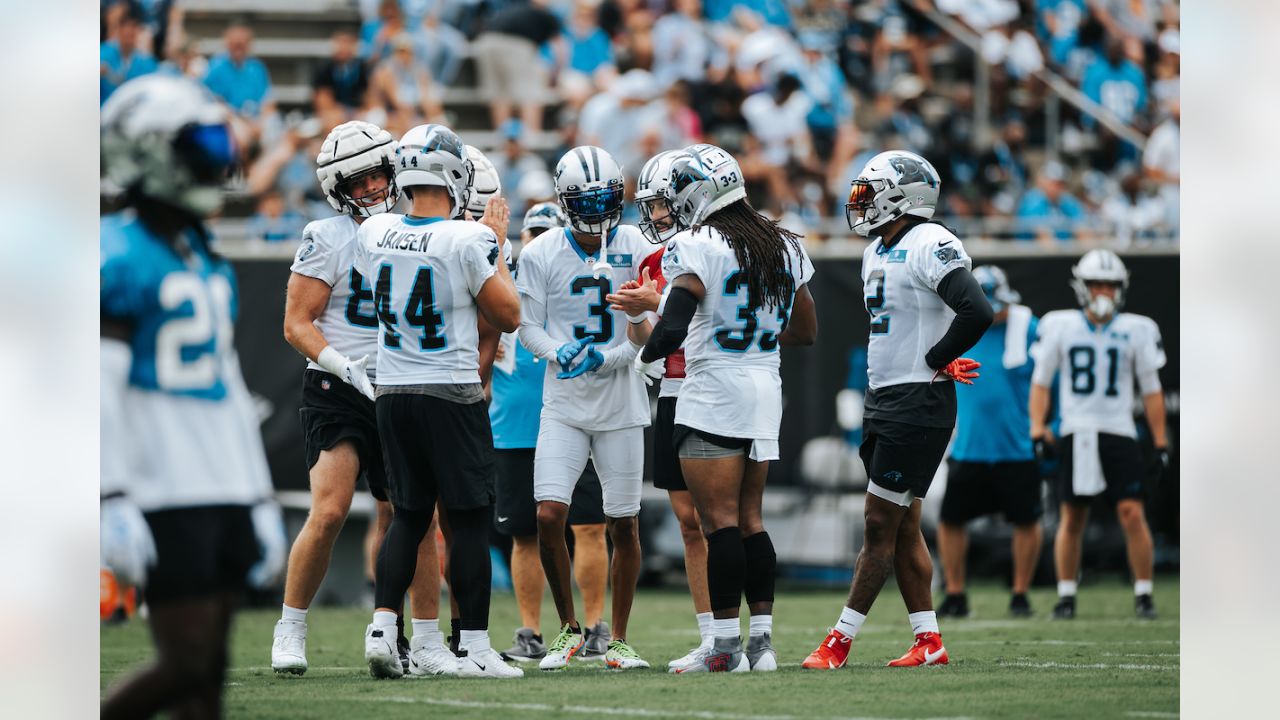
[[1058, 23], [832, 104], [1116, 83], [241, 81], [274, 221], [1048, 211], [588, 55], [993, 465], [122, 59]]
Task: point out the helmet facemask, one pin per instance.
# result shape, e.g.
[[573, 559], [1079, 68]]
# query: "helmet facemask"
[[1100, 305], [869, 207], [371, 202], [596, 211], [660, 229]]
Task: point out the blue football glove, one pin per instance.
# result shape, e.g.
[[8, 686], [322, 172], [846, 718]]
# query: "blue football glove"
[[568, 352], [590, 363]]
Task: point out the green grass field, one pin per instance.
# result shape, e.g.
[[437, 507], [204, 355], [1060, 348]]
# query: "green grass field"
[[1104, 664]]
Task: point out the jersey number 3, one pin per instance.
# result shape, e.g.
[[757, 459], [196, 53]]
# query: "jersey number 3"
[[740, 339], [598, 309], [419, 310]]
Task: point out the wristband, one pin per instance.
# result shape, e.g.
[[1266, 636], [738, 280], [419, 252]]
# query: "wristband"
[[636, 319], [333, 361]]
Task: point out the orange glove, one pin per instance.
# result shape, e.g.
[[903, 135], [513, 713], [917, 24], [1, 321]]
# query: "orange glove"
[[959, 370]]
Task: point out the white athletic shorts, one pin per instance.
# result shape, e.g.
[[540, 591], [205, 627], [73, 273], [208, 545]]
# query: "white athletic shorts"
[[562, 454]]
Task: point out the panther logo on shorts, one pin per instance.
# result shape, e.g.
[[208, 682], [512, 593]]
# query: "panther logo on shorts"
[[893, 476]]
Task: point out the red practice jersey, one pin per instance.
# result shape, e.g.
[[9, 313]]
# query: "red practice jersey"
[[675, 361]]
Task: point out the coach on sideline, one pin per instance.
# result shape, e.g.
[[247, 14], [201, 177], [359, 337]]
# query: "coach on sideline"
[[993, 465]]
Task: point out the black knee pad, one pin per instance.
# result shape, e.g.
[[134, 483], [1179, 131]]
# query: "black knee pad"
[[762, 568], [726, 568]]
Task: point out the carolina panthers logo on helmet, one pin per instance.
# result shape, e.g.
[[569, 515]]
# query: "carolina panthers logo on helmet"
[[911, 171]]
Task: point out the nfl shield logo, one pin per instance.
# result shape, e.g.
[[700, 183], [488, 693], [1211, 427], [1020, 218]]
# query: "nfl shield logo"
[[324, 384]]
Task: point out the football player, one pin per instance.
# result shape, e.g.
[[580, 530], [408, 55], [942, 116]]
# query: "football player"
[[738, 290], [514, 410], [186, 510], [993, 466], [329, 319], [926, 310], [597, 408], [1101, 352], [431, 277], [660, 222]]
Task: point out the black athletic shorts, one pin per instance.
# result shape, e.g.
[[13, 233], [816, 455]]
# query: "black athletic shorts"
[[332, 411], [200, 551], [667, 474], [516, 514], [436, 449], [1122, 467], [975, 489], [901, 457]]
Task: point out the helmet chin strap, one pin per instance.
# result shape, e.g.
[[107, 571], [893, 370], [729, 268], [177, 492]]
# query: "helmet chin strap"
[[1102, 307], [602, 266]]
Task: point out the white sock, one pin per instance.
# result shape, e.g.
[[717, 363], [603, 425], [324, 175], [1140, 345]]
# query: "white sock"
[[474, 641], [293, 614], [384, 621], [726, 628], [427, 628], [850, 622], [923, 621], [1066, 588], [1143, 587], [704, 627], [760, 625]]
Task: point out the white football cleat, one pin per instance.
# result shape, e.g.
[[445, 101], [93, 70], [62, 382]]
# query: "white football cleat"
[[486, 663], [289, 648], [561, 650], [430, 657], [381, 654], [691, 658]]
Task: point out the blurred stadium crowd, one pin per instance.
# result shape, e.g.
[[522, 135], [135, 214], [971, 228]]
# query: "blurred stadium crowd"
[[1048, 120]]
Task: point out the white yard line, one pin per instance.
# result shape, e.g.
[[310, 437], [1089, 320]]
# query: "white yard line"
[[1151, 714], [1088, 666], [604, 710]]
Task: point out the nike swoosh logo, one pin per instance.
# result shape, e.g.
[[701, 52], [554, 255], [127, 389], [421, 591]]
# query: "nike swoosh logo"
[[482, 667], [503, 519], [930, 658], [945, 243]]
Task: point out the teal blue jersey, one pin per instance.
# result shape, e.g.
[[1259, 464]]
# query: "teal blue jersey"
[[992, 422]]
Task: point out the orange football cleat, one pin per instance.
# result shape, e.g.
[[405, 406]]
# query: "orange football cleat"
[[831, 654], [927, 650]]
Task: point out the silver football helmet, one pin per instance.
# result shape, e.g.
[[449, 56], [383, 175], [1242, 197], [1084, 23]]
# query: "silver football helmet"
[[485, 182], [891, 185], [434, 155], [653, 188], [704, 181], [589, 185], [166, 138], [995, 285], [542, 217], [351, 151], [1103, 266]]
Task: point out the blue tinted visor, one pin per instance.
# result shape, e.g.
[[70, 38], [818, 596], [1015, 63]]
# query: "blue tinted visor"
[[209, 150], [594, 206]]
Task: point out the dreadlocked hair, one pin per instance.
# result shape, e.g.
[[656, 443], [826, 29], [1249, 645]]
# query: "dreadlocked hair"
[[760, 246]]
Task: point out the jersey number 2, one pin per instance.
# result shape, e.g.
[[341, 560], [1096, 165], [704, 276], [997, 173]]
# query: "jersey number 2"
[[875, 301], [419, 310]]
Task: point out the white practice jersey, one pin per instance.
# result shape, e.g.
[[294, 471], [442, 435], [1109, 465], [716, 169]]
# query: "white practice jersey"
[[1099, 367], [900, 292], [348, 322], [425, 274], [732, 385], [559, 294]]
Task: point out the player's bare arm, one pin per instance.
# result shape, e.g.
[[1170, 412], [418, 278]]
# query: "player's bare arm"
[[802, 325], [498, 302], [305, 300]]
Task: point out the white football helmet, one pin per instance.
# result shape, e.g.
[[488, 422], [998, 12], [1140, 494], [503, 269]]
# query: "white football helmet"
[[892, 184], [434, 155], [166, 138], [705, 180], [995, 285], [589, 185], [351, 151], [1100, 265], [484, 182], [654, 186], [544, 216]]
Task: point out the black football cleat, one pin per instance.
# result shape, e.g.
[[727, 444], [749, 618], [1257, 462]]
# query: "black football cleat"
[[1065, 609], [1144, 607], [1020, 606], [954, 606]]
